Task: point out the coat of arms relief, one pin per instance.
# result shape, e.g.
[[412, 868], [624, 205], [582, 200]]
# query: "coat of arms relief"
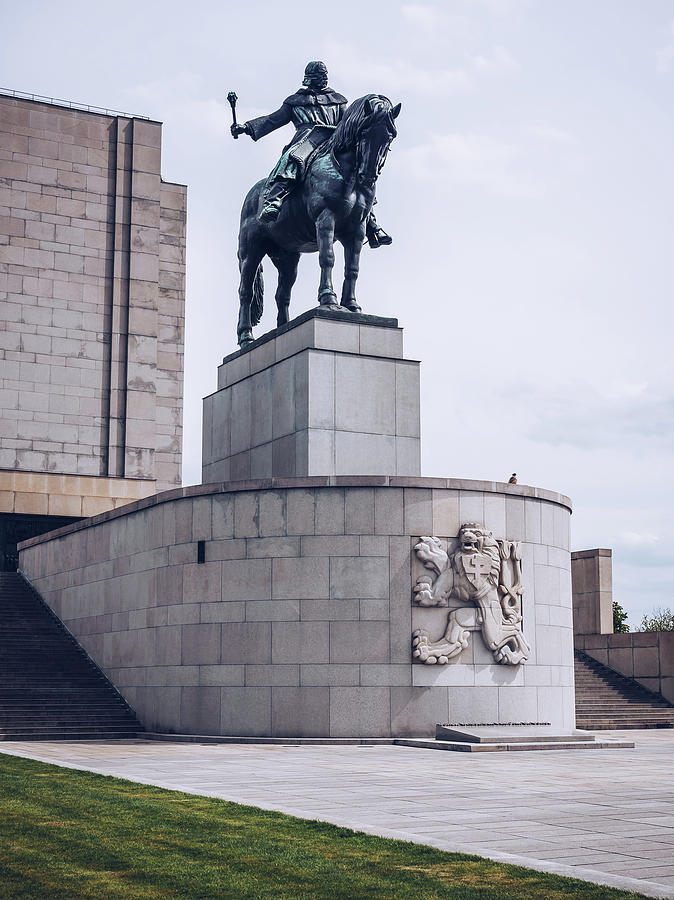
[[484, 574]]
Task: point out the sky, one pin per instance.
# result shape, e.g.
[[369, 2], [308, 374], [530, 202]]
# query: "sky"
[[529, 194]]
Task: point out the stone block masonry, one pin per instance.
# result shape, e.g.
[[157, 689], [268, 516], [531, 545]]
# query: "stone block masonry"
[[592, 591], [299, 620], [92, 267], [327, 394]]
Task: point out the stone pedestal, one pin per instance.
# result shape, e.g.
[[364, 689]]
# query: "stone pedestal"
[[592, 592], [316, 586], [328, 394]]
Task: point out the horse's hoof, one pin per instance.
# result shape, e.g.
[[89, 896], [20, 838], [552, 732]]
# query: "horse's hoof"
[[245, 339], [328, 299], [352, 307]]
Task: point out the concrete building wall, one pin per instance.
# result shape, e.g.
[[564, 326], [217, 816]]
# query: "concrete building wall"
[[299, 620], [92, 266]]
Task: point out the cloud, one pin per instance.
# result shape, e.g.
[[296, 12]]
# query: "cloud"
[[655, 555], [433, 22], [637, 539], [586, 418], [351, 67], [664, 57], [498, 62], [545, 131], [469, 158], [180, 101], [643, 549], [640, 589], [501, 7]]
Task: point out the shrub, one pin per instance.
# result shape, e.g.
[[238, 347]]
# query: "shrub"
[[659, 620]]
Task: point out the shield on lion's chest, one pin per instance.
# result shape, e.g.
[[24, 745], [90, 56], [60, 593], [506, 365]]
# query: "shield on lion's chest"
[[476, 566]]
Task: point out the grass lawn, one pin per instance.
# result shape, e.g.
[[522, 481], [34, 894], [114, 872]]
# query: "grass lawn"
[[65, 833]]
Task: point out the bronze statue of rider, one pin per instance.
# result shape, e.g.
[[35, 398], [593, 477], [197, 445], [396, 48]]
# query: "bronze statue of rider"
[[315, 111]]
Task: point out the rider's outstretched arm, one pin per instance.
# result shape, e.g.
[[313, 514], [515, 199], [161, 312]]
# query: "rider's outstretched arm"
[[263, 125]]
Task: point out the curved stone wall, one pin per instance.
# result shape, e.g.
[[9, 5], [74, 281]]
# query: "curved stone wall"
[[298, 622]]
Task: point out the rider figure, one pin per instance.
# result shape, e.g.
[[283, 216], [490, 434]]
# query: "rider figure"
[[315, 111]]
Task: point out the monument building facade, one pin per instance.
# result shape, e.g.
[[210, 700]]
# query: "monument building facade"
[[290, 597], [315, 585], [92, 293]]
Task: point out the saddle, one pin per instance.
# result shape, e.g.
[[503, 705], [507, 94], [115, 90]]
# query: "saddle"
[[303, 150]]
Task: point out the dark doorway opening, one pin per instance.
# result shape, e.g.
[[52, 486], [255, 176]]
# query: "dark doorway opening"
[[15, 528]]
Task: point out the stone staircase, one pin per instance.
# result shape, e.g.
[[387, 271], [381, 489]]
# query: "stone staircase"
[[607, 700], [49, 688]]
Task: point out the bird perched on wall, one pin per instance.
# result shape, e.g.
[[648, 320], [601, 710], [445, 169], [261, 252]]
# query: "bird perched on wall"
[[513, 478]]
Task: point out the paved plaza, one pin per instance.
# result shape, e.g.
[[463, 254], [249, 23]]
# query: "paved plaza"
[[605, 816]]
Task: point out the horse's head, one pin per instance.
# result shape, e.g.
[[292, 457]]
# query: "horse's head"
[[367, 128], [376, 131]]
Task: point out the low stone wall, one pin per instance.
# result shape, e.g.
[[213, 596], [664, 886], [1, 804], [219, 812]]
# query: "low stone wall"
[[298, 621], [645, 656]]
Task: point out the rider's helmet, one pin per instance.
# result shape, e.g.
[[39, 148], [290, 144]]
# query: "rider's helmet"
[[316, 75]]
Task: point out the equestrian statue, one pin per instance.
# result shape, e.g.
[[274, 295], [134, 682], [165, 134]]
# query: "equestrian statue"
[[321, 189]]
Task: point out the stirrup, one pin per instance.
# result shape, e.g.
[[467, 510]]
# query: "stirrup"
[[379, 238], [270, 211]]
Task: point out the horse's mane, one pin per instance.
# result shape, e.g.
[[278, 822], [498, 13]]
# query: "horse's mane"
[[345, 134]]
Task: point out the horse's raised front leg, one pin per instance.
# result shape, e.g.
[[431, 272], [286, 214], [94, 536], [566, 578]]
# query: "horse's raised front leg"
[[286, 264], [352, 249], [248, 269], [325, 236]]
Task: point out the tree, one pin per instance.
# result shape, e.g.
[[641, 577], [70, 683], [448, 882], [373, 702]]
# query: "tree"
[[659, 620], [620, 625]]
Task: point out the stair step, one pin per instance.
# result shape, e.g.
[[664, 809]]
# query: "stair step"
[[49, 688], [617, 714], [627, 702], [71, 736], [608, 700]]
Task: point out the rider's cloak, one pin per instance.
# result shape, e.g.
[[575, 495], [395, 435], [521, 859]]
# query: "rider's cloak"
[[315, 114]]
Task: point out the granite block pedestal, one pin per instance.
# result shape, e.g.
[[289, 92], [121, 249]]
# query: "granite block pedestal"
[[328, 394], [280, 597]]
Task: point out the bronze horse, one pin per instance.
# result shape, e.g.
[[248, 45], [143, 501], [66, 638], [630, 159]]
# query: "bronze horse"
[[332, 202]]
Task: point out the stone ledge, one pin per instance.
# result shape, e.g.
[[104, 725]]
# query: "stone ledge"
[[421, 743], [307, 482], [55, 494], [459, 747], [318, 312], [283, 741], [590, 554]]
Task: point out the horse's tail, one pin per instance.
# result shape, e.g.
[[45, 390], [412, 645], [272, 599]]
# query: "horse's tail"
[[257, 304]]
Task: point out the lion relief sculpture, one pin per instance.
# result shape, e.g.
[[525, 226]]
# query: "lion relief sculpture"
[[485, 574]]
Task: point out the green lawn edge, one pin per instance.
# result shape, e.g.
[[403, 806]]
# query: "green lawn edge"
[[66, 833]]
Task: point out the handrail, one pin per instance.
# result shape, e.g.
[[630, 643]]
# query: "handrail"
[[71, 104]]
